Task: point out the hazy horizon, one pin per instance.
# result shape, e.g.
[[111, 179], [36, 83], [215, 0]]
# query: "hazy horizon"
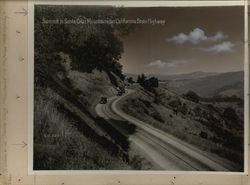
[[184, 73]]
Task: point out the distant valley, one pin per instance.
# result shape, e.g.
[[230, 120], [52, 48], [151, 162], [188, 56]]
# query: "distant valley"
[[204, 84]]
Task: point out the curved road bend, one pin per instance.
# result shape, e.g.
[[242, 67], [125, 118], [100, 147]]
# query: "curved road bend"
[[164, 151]]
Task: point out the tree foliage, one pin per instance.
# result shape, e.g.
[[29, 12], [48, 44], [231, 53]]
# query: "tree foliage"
[[131, 80], [90, 46], [151, 83], [148, 84], [141, 79], [230, 114]]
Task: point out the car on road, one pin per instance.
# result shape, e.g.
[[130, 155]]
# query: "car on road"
[[103, 100], [119, 93]]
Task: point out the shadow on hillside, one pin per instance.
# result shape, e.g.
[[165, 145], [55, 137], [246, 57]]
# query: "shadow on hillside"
[[115, 133]]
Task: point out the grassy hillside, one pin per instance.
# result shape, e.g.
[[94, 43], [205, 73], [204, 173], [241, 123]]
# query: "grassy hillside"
[[62, 140], [66, 135], [209, 85], [236, 89], [213, 127]]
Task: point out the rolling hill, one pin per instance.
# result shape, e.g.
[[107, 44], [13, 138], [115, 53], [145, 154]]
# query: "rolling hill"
[[204, 84]]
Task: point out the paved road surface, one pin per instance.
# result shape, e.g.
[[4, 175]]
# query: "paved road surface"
[[164, 151]]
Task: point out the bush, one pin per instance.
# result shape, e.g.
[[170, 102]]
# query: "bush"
[[197, 111], [230, 114], [175, 103], [183, 109], [192, 96], [203, 135], [157, 116]]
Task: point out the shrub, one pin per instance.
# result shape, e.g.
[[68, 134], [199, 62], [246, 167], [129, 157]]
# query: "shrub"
[[183, 109], [157, 116], [192, 96], [203, 135], [175, 103], [197, 111], [230, 114]]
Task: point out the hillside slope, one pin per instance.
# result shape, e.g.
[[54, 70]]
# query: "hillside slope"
[[209, 85], [67, 133], [205, 125]]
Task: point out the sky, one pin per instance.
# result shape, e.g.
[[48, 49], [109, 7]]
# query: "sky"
[[208, 39]]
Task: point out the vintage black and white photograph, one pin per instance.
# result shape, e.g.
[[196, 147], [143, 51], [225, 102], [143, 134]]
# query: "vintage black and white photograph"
[[138, 88]]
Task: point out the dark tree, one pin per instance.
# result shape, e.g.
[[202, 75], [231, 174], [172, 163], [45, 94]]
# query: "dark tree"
[[138, 79], [92, 46], [130, 80], [141, 79], [148, 84], [151, 83]]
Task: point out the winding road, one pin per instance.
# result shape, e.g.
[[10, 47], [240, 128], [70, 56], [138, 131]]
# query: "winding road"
[[162, 150]]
